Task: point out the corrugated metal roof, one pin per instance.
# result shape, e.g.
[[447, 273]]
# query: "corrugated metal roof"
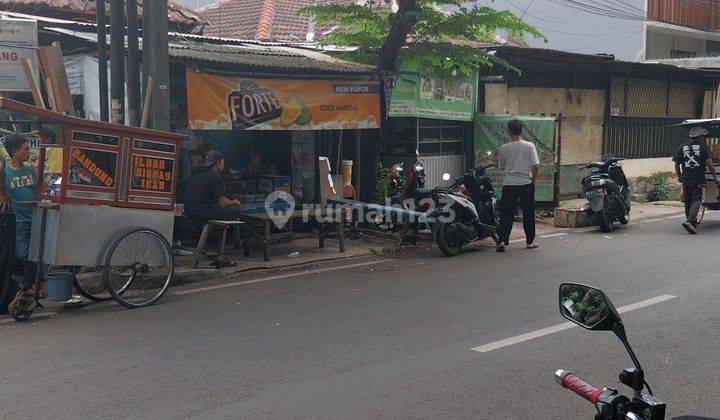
[[600, 62], [255, 57]]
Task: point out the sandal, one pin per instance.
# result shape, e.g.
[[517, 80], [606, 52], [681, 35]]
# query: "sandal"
[[500, 248], [532, 246]]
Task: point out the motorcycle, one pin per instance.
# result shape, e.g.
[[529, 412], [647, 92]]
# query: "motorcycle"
[[608, 193], [405, 191], [592, 309], [465, 213]]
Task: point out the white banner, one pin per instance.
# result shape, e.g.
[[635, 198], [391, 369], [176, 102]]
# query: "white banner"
[[18, 40]]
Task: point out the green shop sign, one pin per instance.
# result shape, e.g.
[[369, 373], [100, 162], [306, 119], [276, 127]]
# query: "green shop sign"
[[418, 96], [491, 133]]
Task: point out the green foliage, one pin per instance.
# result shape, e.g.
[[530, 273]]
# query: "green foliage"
[[661, 188], [440, 40], [382, 188]]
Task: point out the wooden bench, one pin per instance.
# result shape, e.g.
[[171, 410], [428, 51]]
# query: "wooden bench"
[[322, 216], [223, 226]]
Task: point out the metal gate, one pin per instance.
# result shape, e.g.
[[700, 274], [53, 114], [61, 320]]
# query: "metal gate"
[[642, 137], [436, 166]]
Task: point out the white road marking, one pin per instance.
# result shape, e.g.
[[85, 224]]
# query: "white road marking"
[[278, 277], [562, 327], [651, 221], [553, 235], [679, 216], [550, 235]]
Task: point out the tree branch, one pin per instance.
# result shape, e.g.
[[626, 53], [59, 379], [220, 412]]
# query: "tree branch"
[[403, 23]]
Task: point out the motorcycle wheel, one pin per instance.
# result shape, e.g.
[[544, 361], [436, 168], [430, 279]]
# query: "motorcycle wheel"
[[449, 240], [604, 221], [624, 218]]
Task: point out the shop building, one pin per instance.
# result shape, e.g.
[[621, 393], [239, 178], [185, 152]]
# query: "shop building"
[[271, 108], [605, 106]]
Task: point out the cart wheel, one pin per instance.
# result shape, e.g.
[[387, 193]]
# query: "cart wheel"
[[91, 285], [139, 268]]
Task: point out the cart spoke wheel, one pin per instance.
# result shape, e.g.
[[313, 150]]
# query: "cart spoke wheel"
[[139, 268], [89, 283]]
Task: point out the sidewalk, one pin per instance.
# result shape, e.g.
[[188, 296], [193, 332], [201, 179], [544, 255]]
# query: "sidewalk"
[[576, 217], [282, 257]]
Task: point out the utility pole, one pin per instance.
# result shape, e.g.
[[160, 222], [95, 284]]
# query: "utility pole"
[[156, 61], [117, 57], [133, 64], [102, 59]]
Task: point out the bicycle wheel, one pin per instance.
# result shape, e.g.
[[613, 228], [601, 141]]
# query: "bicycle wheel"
[[89, 283], [138, 268]]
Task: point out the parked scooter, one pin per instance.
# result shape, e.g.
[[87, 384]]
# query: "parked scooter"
[[608, 193], [466, 211], [590, 308], [406, 191]]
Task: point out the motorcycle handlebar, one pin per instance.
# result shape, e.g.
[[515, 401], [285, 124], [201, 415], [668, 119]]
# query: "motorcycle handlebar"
[[569, 381]]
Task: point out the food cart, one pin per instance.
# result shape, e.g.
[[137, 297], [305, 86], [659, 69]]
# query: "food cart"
[[106, 204], [711, 193]]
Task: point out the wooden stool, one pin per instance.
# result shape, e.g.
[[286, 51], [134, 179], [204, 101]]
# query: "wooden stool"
[[223, 226]]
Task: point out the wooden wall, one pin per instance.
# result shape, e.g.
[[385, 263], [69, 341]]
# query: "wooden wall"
[[701, 14]]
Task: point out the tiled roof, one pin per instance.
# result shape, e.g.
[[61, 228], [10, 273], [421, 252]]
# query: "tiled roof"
[[180, 17], [277, 20]]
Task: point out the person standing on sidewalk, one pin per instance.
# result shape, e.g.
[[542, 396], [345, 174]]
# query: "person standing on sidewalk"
[[8, 287], [691, 159], [519, 159], [20, 184]]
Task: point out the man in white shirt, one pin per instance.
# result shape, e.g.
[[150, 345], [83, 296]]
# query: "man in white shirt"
[[519, 159]]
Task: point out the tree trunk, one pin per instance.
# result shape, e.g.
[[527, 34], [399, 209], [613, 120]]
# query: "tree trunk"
[[401, 27]]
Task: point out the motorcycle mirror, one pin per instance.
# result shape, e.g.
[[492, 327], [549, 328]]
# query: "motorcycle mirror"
[[446, 176], [588, 307]]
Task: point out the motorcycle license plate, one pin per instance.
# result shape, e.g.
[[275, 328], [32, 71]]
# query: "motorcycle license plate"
[[594, 193]]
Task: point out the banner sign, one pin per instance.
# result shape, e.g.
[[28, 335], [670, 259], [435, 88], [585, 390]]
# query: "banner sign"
[[92, 168], [234, 103], [18, 40], [426, 97], [152, 174], [491, 133]]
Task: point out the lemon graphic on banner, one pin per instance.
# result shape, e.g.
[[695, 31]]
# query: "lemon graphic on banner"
[[292, 110]]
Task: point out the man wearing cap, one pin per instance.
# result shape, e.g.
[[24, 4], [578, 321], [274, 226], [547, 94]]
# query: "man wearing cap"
[[204, 198], [691, 160]]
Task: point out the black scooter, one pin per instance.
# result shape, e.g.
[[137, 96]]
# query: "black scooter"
[[465, 212], [590, 308], [608, 193]]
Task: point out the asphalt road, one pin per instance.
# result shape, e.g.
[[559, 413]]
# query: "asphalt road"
[[387, 340]]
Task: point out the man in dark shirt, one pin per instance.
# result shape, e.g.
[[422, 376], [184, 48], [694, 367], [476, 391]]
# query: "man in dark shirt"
[[691, 160], [204, 198]]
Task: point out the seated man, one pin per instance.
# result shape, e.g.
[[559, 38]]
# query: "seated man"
[[204, 198]]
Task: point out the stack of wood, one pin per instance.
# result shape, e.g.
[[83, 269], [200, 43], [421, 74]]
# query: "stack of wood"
[[54, 79]]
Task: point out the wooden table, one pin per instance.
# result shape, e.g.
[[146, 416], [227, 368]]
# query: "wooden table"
[[323, 217]]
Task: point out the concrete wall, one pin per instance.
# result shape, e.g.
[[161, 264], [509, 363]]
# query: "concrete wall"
[[583, 113], [645, 167], [659, 44]]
